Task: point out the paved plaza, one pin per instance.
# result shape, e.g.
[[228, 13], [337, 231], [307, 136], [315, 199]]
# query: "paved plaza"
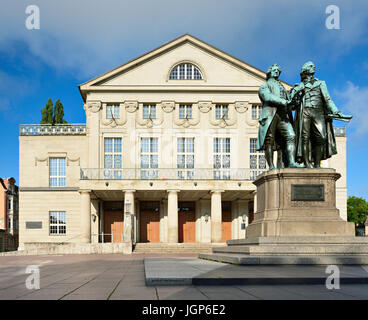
[[122, 277]]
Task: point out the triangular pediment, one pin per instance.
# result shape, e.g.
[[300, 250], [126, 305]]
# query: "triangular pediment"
[[153, 68]]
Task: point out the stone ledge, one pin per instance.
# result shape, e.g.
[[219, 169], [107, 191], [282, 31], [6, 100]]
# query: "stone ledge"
[[243, 259]]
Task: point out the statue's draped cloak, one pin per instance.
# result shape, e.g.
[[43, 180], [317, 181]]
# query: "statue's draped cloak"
[[329, 107], [270, 93]]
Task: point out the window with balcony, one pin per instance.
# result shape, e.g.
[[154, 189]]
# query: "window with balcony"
[[185, 158], [222, 111], [185, 111], [149, 158], [57, 173], [185, 71], [149, 111], [113, 158], [57, 222], [112, 111], [221, 158], [257, 160]]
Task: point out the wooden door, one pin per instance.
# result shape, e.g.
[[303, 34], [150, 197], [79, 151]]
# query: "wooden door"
[[186, 226], [149, 226], [226, 225], [114, 226]]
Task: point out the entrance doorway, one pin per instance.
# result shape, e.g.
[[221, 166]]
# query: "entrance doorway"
[[113, 221], [226, 221], [186, 222], [149, 221]]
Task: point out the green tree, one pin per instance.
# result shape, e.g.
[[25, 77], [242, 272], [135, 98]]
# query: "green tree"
[[46, 112], [357, 210], [59, 113]]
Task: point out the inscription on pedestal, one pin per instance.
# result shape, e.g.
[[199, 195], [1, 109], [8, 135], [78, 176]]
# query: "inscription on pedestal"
[[307, 192]]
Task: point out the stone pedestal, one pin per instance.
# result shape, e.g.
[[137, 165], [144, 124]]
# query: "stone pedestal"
[[298, 202], [296, 222]]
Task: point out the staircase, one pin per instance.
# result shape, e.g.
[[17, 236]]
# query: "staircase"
[[312, 250], [175, 248]]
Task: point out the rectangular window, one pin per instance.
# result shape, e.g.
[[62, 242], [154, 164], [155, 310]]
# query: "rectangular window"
[[222, 111], [149, 158], [221, 158], [113, 158], [57, 177], [257, 160], [112, 112], [256, 111], [57, 222], [185, 111], [185, 158], [10, 204], [149, 111], [9, 223]]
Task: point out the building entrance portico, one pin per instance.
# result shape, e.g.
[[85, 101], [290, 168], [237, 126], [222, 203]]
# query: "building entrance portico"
[[171, 216]]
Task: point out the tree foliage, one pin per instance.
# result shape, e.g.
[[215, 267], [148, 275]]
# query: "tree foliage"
[[59, 113], [46, 112], [357, 210], [53, 115]]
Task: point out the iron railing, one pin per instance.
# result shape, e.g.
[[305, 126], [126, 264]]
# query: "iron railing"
[[52, 130], [170, 174]]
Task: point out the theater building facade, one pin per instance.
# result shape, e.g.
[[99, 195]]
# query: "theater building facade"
[[167, 154]]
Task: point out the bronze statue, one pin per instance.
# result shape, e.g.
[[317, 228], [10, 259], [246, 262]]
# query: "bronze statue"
[[315, 139], [276, 131]]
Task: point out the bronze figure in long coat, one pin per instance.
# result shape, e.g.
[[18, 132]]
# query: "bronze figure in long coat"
[[315, 139], [275, 120]]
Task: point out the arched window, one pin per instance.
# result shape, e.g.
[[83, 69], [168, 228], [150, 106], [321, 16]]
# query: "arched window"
[[185, 71]]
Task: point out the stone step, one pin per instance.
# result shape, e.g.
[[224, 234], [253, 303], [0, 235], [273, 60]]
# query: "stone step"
[[295, 249], [299, 240], [172, 248], [176, 271], [242, 259]]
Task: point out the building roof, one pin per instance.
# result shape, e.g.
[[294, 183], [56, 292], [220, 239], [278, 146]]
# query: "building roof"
[[165, 48]]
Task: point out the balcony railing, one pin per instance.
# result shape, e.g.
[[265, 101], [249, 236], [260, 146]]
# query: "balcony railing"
[[51, 130], [170, 174]]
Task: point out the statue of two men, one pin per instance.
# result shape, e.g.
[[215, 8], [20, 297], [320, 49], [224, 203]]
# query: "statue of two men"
[[310, 138]]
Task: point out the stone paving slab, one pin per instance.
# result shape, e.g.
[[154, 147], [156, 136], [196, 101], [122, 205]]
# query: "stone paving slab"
[[193, 271], [119, 277]]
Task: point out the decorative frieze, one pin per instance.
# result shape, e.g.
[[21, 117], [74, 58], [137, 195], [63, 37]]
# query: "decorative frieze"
[[241, 106], [204, 106], [168, 106], [187, 122], [131, 106], [93, 106], [113, 122]]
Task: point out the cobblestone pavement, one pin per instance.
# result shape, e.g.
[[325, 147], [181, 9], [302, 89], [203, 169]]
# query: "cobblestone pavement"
[[120, 277]]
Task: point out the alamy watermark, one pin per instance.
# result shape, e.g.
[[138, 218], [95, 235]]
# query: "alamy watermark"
[[333, 18], [33, 19], [333, 280], [33, 280]]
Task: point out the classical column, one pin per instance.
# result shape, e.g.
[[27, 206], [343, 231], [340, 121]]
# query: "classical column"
[[85, 212], [255, 202], [216, 216], [129, 213], [172, 216]]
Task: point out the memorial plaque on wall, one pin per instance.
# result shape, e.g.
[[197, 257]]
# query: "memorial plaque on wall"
[[307, 192], [33, 224]]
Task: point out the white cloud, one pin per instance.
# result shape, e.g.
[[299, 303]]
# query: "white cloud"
[[355, 100], [89, 37]]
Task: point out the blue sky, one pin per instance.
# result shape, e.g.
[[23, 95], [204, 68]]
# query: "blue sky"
[[79, 40]]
